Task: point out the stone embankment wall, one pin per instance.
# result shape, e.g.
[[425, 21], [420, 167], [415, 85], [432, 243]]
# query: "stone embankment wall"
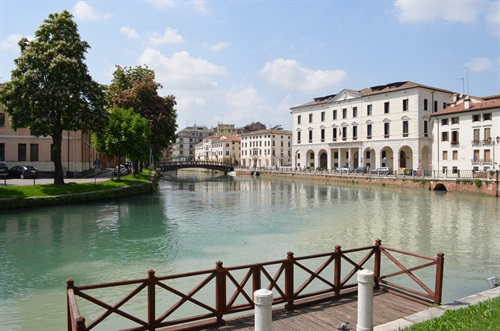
[[484, 186]]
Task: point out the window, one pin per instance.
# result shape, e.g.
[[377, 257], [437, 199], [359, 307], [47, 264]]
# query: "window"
[[354, 133], [344, 133], [344, 113], [445, 155], [369, 131], [386, 130], [405, 104], [310, 136], [322, 135], [476, 118], [405, 129], [322, 116], [487, 155], [454, 120], [426, 104], [368, 110], [487, 135], [455, 155], [21, 152], [444, 136], [487, 117], [334, 138], [33, 152], [2, 120], [310, 118], [435, 106], [444, 121], [454, 138], [426, 128], [354, 111], [386, 107], [298, 119], [298, 137], [335, 114], [475, 155], [2, 152]]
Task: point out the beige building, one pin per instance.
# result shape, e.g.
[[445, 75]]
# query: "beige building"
[[467, 136], [184, 147], [386, 125], [21, 148], [266, 149], [225, 148]]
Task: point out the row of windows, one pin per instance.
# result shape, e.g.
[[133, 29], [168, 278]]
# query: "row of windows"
[[21, 152], [369, 111], [260, 152], [477, 157], [261, 137], [342, 132], [475, 118], [251, 144], [476, 140]]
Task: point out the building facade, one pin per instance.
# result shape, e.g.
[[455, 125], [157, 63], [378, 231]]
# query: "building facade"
[[386, 125], [467, 136], [266, 149], [184, 147]]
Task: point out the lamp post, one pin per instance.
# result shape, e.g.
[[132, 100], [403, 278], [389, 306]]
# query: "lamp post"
[[150, 158]]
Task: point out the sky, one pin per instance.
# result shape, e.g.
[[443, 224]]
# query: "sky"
[[240, 61]]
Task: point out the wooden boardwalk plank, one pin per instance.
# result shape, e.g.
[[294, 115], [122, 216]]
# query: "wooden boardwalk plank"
[[328, 315]]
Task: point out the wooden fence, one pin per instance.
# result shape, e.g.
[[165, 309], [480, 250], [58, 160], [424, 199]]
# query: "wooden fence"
[[294, 281]]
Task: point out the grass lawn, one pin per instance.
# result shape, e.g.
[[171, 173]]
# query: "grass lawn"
[[484, 316], [71, 188]]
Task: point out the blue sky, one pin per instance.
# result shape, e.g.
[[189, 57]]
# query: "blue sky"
[[237, 61]]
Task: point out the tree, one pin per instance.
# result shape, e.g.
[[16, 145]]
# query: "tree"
[[277, 127], [127, 134], [50, 89], [136, 88]]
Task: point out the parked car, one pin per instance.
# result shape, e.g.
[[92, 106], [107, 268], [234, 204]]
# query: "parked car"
[[22, 172], [359, 170], [343, 169], [3, 169], [382, 170], [123, 170]]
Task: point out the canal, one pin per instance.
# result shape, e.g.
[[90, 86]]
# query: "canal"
[[193, 220]]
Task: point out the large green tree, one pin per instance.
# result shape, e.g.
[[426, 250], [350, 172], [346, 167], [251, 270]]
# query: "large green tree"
[[50, 90], [135, 87], [126, 135]]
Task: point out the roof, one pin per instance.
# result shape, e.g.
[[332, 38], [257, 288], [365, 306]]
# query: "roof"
[[266, 131], [474, 106], [229, 137], [373, 90]]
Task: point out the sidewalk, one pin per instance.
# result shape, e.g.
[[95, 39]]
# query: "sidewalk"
[[102, 176], [438, 311]]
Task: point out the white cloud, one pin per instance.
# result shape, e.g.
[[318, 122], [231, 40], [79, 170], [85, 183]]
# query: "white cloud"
[[198, 5], [243, 98], [10, 42], [129, 32], [162, 3], [218, 46], [493, 18], [84, 12], [290, 75], [181, 71], [169, 36], [464, 11], [480, 64]]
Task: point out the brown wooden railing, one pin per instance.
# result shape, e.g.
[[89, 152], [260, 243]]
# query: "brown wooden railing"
[[294, 281]]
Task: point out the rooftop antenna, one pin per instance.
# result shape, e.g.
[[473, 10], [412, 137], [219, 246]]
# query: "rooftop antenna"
[[463, 85], [467, 78]]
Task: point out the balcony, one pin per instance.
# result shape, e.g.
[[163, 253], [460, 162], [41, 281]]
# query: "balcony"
[[487, 142], [475, 142], [455, 144]]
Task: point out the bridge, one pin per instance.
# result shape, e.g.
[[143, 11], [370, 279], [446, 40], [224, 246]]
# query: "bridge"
[[220, 166]]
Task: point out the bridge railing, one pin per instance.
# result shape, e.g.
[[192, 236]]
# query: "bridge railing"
[[189, 298]]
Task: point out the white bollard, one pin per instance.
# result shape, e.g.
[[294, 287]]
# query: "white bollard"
[[263, 300], [365, 300]]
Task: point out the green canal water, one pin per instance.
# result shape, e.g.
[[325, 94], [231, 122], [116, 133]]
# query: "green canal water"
[[194, 220]]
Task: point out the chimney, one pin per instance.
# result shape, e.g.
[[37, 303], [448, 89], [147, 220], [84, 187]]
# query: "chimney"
[[467, 102]]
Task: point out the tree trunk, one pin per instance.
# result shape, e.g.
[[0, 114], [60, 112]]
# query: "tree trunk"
[[57, 156]]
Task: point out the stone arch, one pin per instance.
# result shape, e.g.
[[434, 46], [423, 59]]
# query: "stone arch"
[[387, 157], [310, 154], [440, 187], [405, 157], [323, 159]]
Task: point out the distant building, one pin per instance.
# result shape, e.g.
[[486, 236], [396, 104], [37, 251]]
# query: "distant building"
[[467, 135], [386, 125], [266, 149], [225, 129], [21, 148], [225, 149], [184, 147], [254, 126]]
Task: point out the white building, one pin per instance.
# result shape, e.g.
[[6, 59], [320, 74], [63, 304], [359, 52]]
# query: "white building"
[[386, 125], [225, 148], [467, 136], [186, 140], [266, 148]]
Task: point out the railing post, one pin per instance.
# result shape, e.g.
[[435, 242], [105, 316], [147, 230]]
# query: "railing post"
[[256, 279], [376, 262], [263, 300], [337, 269], [151, 300], [289, 292], [438, 291], [72, 309], [220, 291]]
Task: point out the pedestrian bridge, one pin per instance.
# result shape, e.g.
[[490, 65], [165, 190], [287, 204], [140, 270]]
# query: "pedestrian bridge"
[[220, 166]]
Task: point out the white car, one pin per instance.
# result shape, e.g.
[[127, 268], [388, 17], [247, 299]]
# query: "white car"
[[382, 170], [343, 169], [123, 170]]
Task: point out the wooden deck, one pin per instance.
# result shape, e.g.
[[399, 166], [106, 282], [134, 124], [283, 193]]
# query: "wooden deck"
[[388, 306]]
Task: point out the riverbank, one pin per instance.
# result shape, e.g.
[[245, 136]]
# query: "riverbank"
[[486, 187]]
